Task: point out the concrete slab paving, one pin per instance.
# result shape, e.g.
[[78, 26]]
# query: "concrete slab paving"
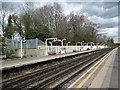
[[26, 61], [111, 78], [107, 74], [102, 79], [114, 77]]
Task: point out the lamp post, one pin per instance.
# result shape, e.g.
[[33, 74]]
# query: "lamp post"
[[82, 42], [91, 44], [22, 40], [97, 45], [62, 41], [21, 49], [86, 44], [51, 46], [76, 44], [57, 50], [50, 43], [67, 43], [46, 43], [56, 40]]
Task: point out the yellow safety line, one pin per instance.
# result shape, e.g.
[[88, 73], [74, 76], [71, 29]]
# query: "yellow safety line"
[[84, 81]]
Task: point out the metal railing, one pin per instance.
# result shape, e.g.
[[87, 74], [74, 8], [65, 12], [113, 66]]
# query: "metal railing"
[[32, 43]]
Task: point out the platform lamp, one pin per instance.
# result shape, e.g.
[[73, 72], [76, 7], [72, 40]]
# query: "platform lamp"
[[58, 40], [62, 41], [82, 43], [67, 43], [76, 44], [47, 45], [22, 40]]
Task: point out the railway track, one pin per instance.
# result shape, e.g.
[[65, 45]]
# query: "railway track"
[[56, 75], [25, 69]]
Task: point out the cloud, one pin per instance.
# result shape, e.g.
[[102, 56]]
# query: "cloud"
[[93, 9], [104, 22], [110, 32], [103, 13], [99, 9], [69, 7], [112, 12], [109, 4]]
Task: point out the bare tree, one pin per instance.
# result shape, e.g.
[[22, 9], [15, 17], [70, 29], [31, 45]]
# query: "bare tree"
[[5, 10]]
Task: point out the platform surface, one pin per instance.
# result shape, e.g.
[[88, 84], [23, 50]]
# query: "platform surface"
[[26, 61], [107, 75]]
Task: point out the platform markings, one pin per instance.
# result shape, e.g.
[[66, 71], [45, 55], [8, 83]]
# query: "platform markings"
[[100, 63], [94, 68]]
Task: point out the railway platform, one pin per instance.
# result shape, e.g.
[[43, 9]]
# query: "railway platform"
[[104, 75], [27, 61], [58, 72]]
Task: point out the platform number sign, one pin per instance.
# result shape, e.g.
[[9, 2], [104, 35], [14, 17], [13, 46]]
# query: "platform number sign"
[[62, 49]]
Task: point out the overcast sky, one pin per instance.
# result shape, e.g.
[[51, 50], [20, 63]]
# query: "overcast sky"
[[103, 13]]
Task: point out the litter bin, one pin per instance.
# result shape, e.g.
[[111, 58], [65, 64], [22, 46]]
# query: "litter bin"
[[3, 51]]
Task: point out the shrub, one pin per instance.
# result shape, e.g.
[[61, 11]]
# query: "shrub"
[[75, 50], [10, 54], [25, 56]]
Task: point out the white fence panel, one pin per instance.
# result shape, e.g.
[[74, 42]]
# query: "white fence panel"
[[69, 49]]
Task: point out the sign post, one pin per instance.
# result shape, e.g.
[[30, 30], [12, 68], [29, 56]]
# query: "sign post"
[[62, 50]]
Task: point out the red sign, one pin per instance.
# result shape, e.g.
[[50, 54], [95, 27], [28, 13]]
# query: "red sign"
[[62, 48]]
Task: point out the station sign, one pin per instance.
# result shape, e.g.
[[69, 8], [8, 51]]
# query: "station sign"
[[62, 50], [42, 48]]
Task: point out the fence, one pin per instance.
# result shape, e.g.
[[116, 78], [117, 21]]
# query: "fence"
[[14, 44], [0, 51], [69, 49], [41, 50], [36, 47]]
